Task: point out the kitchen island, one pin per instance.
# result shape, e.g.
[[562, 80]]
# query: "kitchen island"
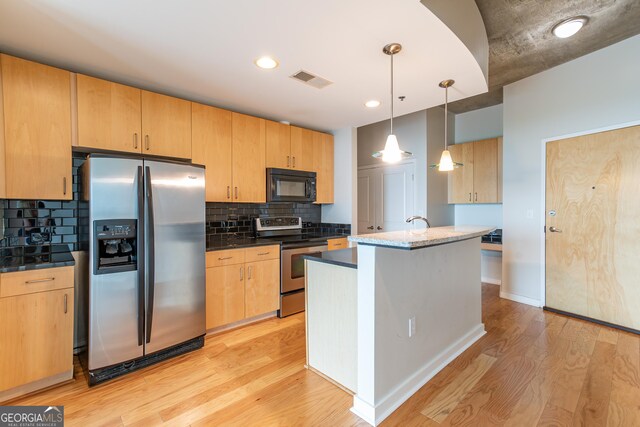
[[417, 299]]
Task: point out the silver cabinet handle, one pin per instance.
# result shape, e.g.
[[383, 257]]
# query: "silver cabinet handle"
[[337, 244], [249, 276], [555, 230], [288, 162], [370, 227], [146, 142], [378, 228], [263, 253], [469, 196], [228, 192], [241, 273], [65, 303], [224, 258], [135, 140], [476, 197], [48, 279], [64, 185], [294, 161], [236, 190]]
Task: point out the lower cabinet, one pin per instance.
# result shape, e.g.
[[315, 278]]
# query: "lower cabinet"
[[36, 330], [241, 284]]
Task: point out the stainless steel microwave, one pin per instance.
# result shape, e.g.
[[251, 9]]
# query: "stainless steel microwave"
[[285, 185]]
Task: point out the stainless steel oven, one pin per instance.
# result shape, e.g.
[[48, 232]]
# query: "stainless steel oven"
[[292, 284], [284, 185]]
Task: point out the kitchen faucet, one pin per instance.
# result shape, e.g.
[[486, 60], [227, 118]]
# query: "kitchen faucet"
[[413, 218]]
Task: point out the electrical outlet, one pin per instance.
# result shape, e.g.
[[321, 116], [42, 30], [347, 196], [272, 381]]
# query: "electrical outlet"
[[412, 326]]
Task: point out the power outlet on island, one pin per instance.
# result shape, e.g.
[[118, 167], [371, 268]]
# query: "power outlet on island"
[[412, 326]]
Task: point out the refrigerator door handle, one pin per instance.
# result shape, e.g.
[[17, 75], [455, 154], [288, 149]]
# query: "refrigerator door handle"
[[151, 254], [141, 258]]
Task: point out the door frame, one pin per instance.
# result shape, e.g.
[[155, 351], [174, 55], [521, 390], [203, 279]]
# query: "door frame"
[[411, 162], [543, 200]]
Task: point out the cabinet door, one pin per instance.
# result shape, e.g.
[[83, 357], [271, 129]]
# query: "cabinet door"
[[36, 335], [301, 149], [211, 143], [166, 125], [323, 166], [225, 295], [109, 115], [499, 169], [278, 142], [262, 287], [485, 171], [461, 179], [249, 171], [37, 129]]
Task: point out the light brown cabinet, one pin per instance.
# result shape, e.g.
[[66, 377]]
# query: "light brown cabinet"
[[248, 159], [479, 179], [278, 145], [166, 125], [36, 330], [109, 115], [302, 148], [211, 147], [323, 166], [37, 130], [241, 284]]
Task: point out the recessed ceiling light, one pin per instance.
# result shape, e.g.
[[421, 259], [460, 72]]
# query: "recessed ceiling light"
[[266, 62], [372, 103], [569, 27]]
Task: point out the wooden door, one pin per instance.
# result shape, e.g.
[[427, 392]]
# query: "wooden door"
[[249, 171], [166, 125], [36, 337], [109, 115], [592, 203], [461, 179], [211, 144], [37, 130], [262, 287], [301, 148], [323, 166], [225, 295], [278, 145], [485, 171]]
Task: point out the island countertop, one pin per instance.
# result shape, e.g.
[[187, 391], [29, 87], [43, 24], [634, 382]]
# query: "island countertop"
[[420, 238]]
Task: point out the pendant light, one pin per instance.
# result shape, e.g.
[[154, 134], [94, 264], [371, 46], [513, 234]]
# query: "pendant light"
[[446, 162], [392, 152]]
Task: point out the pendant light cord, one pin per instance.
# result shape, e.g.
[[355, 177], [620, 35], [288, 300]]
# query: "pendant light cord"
[[446, 116], [391, 94]]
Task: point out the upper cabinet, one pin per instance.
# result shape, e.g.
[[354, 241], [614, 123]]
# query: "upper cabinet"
[[323, 166], [211, 147], [109, 115], [166, 125], [301, 148], [248, 159], [278, 145], [37, 130], [479, 179]]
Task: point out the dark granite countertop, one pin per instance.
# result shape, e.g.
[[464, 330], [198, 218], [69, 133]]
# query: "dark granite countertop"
[[23, 258], [342, 257], [214, 244]]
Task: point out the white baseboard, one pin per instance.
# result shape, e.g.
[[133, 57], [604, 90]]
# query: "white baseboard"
[[374, 415], [491, 281], [520, 298]]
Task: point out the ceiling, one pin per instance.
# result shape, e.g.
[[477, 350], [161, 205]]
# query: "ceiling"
[[204, 51], [521, 43]]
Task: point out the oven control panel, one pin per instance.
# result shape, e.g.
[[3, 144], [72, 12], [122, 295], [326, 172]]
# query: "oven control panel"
[[278, 223]]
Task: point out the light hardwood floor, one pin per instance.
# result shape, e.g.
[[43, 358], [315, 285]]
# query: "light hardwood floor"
[[531, 368]]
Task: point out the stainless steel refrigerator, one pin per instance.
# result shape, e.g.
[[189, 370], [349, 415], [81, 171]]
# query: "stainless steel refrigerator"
[[146, 243]]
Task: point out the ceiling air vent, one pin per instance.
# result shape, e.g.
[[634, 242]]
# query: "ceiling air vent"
[[311, 79]]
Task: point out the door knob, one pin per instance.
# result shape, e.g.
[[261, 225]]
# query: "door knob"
[[555, 230], [378, 228], [370, 227]]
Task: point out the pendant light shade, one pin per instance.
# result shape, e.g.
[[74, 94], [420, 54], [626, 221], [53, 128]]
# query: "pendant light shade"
[[392, 152], [446, 162]]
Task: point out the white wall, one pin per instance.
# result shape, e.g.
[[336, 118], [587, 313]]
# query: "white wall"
[[479, 124], [343, 210], [598, 90], [439, 211]]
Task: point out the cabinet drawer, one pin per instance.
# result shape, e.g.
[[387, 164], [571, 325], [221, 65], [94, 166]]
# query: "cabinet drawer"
[[340, 243], [225, 257], [262, 253], [32, 281]]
